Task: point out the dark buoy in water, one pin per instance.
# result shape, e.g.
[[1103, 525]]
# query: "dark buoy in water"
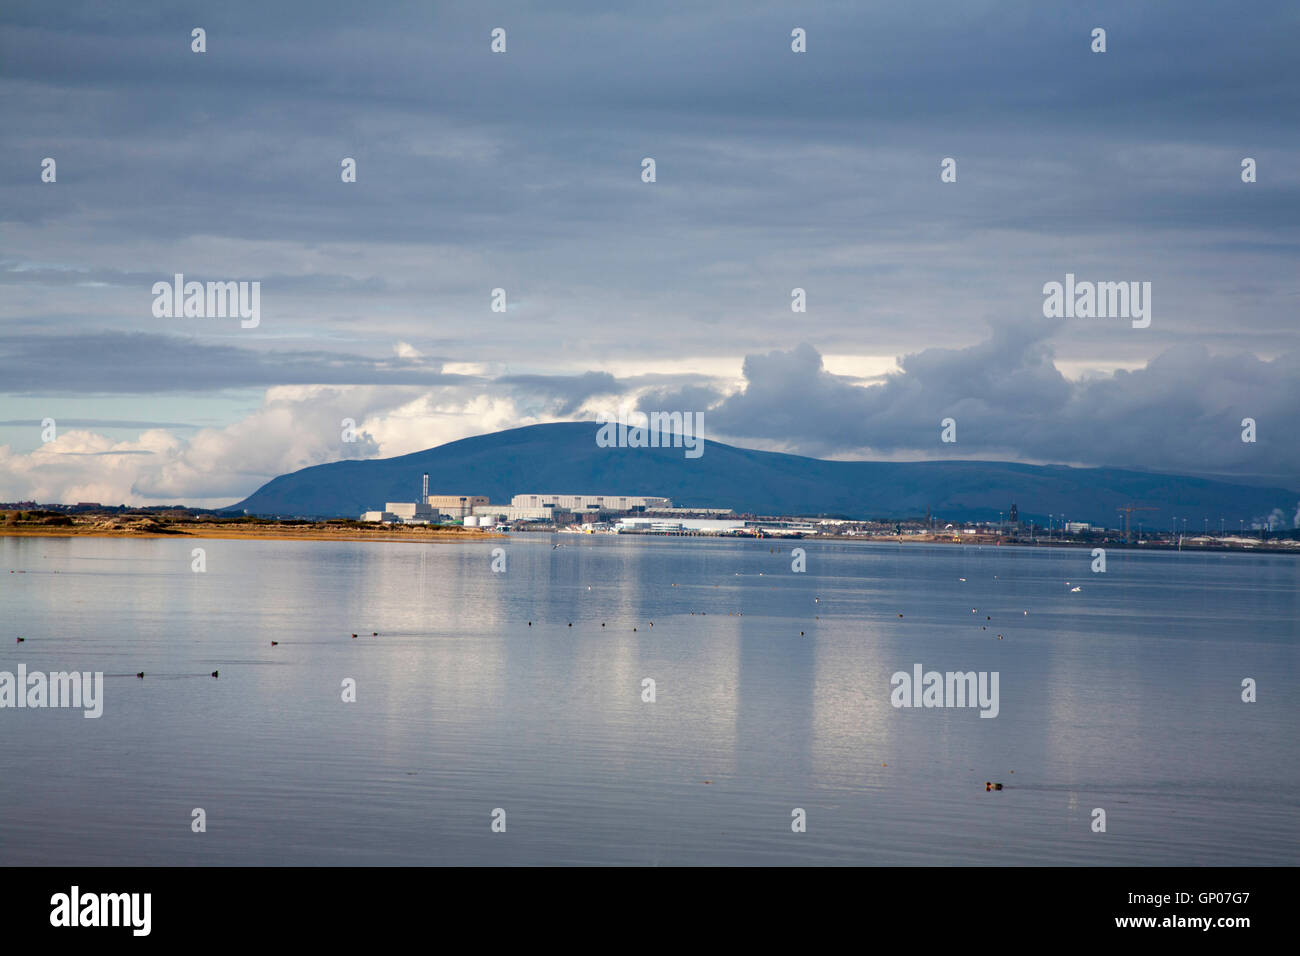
[[354, 635], [215, 673], [275, 643], [141, 674], [900, 615], [602, 623], [21, 639], [374, 633], [634, 630], [801, 633], [530, 623], [570, 624]]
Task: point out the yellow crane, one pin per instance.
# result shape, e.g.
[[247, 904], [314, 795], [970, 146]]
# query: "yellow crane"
[[1128, 511]]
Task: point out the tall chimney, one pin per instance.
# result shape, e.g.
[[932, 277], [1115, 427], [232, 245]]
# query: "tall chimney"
[[424, 494]]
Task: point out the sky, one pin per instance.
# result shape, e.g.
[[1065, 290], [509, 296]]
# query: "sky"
[[522, 171]]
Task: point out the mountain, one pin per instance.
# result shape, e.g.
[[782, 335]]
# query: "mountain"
[[563, 458]]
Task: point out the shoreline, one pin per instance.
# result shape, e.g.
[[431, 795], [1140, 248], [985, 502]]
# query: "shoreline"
[[203, 531]]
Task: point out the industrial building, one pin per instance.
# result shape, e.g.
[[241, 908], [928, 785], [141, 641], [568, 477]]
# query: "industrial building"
[[622, 503], [678, 525], [455, 506]]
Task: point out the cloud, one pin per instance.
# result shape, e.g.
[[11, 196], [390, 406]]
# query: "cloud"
[[140, 363], [1182, 412], [563, 394]]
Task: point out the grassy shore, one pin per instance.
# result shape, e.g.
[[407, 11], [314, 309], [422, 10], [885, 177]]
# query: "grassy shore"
[[34, 524]]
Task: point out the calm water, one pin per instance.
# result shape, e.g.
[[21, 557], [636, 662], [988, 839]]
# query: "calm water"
[[1125, 696]]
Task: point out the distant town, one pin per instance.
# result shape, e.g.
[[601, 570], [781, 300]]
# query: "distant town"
[[657, 515], [652, 515]]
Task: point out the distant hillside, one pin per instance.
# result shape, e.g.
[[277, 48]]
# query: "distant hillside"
[[564, 458]]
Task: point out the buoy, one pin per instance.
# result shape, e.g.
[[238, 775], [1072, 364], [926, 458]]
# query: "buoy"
[[801, 633], [21, 639], [530, 623], [215, 673], [374, 633], [570, 624], [141, 674], [900, 615], [274, 643], [354, 635]]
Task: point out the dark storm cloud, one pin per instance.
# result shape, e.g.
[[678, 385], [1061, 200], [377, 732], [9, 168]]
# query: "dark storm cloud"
[[1182, 413], [566, 393], [137, 363]]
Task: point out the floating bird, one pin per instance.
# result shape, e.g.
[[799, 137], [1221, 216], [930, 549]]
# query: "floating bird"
[[987, 618], [21, 639], [216, 673], [991, 786], [961, 579], [374, 633], [354, 635], [602, 623], [141, 674], [652, 623], [999, 637], [1072, 590], [900, 615], [570, 624], [530, 623], [275, 643]]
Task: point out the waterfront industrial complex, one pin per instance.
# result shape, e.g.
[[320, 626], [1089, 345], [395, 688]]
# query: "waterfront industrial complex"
[[657, 515]]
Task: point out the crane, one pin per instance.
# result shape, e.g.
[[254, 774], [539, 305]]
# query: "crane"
[[1128, 511]]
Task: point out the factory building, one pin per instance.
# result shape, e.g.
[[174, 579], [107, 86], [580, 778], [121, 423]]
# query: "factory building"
[[456, 506], [589, 502], [511, 513], [678, 525]]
